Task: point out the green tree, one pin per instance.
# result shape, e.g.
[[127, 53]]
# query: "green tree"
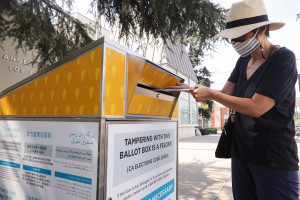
[[42, 26], [49, 30], [193, 23], [203, 76]]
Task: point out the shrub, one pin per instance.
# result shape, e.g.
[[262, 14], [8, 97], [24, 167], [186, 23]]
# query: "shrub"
[[207, 131], [297, 122], [213, 130]]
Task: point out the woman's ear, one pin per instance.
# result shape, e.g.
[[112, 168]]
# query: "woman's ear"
[[263, 29]]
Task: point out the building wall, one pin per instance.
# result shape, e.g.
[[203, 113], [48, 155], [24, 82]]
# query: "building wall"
[[186, 131], [99, 31], [212, 119], [223, 114], [219, 115], [14, 65]]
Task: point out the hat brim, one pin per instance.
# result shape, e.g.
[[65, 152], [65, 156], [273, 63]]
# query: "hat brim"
[[242, 30]]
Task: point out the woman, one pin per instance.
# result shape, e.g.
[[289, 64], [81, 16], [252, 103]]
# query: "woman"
[[261, 90]]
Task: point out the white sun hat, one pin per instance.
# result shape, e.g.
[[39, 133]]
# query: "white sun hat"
[[245, 16]]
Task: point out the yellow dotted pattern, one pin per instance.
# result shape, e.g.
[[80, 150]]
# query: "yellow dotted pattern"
[[135, 66], [152, 106], [73, 89], [149, 106], [176, 111], [155, 77], [114, 83]]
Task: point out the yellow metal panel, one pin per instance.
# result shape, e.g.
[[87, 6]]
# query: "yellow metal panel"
[[73, 89], [155, 77], [114, 83], [149, 106], [135, 66], [176, 111]]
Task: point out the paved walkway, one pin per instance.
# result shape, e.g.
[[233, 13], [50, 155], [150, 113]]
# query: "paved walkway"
[[201, 176]]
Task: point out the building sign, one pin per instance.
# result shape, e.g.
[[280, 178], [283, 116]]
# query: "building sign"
[[142, 161], [19, 65], [48, 160], [15, 65]]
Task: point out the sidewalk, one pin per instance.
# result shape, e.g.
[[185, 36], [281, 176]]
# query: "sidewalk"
[[201, 176]]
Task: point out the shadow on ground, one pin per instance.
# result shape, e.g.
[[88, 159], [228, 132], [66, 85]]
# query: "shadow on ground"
[[198, 181]]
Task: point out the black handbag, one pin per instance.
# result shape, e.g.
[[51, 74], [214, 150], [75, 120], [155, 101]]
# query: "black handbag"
[[224, 145]]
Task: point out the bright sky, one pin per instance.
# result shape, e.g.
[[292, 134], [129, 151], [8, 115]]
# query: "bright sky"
[[222, 61]]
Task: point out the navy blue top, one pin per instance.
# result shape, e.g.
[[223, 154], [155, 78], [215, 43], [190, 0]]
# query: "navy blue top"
[[269, 139]]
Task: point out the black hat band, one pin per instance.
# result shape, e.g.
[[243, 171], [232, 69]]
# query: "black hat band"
[[246, 21]]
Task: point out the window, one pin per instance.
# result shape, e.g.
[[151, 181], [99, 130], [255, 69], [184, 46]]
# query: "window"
[[188, 107], [194, 106], [194, 113]]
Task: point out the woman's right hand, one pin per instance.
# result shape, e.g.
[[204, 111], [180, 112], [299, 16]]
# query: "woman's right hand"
[[201, 93]]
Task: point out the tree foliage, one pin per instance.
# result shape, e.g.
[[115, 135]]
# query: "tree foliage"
[[193, 22], [49, 30], [41, 26], [203, 76]]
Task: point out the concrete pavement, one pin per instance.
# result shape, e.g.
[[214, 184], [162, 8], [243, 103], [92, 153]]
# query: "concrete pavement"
[[201, 176]]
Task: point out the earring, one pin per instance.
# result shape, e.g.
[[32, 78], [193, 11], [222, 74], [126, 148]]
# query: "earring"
[[261, 51]]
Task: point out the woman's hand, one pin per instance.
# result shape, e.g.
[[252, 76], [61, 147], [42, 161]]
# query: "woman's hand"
[[201, 93]]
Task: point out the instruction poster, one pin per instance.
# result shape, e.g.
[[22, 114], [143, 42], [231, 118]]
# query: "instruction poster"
[[47, 160], [142, 161]]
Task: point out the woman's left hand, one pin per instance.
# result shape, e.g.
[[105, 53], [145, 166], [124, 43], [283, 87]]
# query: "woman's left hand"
[[200, 93], [178, 86]]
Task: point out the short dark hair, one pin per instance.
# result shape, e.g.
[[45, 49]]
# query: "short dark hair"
[[267, 33]]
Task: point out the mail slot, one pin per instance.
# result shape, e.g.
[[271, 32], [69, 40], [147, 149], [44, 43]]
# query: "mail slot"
[[94, 125], [145, 100]]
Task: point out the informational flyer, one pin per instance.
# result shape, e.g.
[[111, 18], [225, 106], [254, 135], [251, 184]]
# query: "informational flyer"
[[142, 161], [48, 160]]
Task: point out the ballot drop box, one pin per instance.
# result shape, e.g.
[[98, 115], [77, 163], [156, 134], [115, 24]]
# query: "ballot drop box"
[[92, 126]]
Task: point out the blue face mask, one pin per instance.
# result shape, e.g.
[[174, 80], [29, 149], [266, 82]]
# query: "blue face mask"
[[246, 47]]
